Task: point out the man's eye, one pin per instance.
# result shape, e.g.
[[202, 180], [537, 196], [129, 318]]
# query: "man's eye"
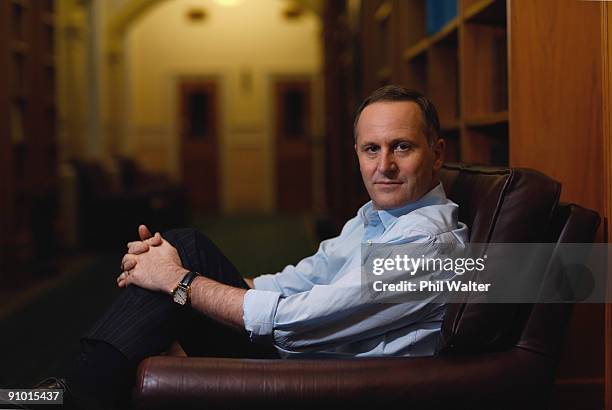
[[371, 149], [403, 147]]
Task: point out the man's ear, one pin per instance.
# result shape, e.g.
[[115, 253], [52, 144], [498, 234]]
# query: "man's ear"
[[438, 151]]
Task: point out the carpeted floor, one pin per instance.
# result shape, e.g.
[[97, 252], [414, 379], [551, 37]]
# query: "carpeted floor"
[[40, 338]]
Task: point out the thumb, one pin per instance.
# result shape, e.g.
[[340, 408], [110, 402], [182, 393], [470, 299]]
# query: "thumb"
[[144, 232]]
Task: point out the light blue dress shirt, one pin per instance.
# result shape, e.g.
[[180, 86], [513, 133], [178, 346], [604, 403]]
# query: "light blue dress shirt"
[[315, 308]]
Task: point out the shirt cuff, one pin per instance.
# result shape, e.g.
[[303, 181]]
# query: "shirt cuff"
[[266, 282], [259, 311]]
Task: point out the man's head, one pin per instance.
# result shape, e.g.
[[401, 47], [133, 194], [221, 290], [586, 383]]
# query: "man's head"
[[397, 144]]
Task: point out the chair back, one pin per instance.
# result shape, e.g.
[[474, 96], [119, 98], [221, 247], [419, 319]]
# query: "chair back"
[[510, 205]]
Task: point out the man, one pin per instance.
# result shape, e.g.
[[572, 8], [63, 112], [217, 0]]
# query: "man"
[[311, 309]]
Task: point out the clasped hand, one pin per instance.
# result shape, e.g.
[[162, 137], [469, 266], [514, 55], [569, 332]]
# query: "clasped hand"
[[151, 263]]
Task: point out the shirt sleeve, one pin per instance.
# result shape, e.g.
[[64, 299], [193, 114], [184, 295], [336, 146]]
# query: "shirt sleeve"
[[324, 317], [310, 271], [261, 303], [327, 315], [295, 278]]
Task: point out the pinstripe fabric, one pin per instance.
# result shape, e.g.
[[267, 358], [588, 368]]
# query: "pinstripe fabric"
[[142, 323]]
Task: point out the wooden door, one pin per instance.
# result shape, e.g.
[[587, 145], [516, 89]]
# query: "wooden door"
[[199, 126], [293, 145]]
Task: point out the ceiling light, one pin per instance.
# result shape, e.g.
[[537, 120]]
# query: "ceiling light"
[[229, 3]]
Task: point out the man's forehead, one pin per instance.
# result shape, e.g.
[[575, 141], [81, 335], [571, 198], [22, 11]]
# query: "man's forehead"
[[390, 116]]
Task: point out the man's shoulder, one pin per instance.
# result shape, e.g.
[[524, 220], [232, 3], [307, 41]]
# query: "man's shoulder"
[[433, 221]]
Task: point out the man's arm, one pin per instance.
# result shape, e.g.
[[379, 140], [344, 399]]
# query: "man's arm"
[[325, 316], [220, 302], [291, 280], [154, 264]]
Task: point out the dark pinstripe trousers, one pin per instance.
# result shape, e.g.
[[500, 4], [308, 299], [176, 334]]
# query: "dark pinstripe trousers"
[[142, 323]]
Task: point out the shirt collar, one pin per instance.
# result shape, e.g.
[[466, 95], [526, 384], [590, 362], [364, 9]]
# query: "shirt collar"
[[387, 216]]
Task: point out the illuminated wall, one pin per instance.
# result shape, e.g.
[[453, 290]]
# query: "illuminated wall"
[[244, 46]]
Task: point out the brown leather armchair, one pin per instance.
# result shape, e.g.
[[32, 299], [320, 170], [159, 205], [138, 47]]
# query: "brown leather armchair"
[[492, 355]]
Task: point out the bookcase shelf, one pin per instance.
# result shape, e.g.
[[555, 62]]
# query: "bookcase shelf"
[[452, 152], [48, 19], [383, 11], [453, 124], [384, 74], [20, 3], [416, 50], [28, 143], [448, 33], [462, 68], [487, 119], [491, 12], [20, 47], [484, 66], [486, 144]]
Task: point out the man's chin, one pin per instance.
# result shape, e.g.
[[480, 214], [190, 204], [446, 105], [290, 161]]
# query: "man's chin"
[[389, 203]]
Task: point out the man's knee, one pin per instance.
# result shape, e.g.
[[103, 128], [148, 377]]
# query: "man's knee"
[[177, 234], [180, 235]]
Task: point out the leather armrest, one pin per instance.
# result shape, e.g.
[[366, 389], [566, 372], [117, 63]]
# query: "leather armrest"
[[511, 379]]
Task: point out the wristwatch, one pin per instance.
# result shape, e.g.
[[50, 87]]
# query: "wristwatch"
[[181, 294]]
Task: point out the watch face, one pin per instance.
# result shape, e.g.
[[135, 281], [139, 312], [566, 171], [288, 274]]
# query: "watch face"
[[180, 296]]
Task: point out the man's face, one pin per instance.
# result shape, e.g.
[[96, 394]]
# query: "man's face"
[[397, 164]]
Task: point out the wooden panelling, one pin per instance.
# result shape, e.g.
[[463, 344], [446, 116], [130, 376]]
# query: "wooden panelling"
[[556, 127], [555, 101], [606, 35]]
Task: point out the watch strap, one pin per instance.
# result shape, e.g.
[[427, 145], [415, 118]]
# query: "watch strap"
[[188, 278]]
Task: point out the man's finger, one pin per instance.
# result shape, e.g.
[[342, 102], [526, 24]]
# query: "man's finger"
[[136, 248], [123, 283], [129, 264], [127, 258], [156, 240], [121, 280], [144, 232]]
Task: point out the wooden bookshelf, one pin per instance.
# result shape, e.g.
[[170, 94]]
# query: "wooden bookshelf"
[[487, 119], [27, 139], [416, 50], [492, 12], [448, 33], [462, 68]]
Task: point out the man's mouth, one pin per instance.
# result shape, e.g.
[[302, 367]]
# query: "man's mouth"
[[387, 183]]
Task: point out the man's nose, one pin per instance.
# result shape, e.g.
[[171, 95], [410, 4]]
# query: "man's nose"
[[386, 163]]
